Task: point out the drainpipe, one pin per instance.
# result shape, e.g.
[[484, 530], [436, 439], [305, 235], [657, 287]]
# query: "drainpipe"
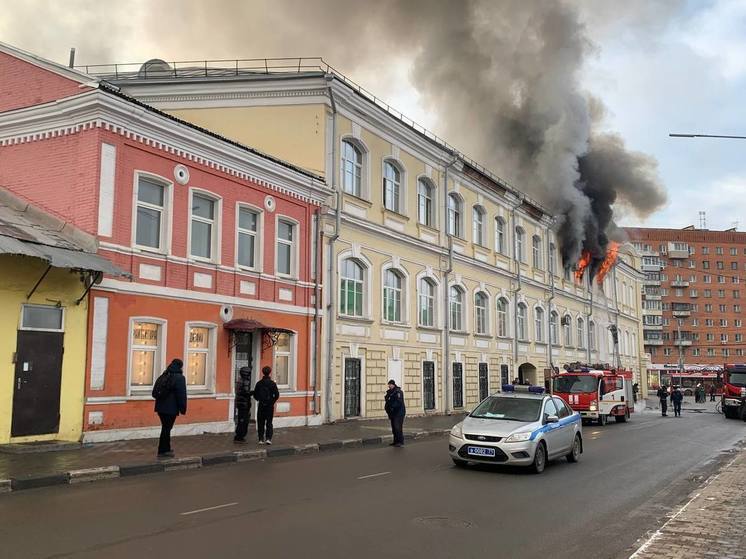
[[588, 320], [550, 266], [517, 288], [332, 281], [317, 308], [446, 300], [615, 336]]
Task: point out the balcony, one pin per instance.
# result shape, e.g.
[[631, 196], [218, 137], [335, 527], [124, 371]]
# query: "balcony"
[[655, 327], [652, 342], [652, 282], [677, 253], [651, 267], [679, 283], [681, 314], [682, 343], [648, 297]]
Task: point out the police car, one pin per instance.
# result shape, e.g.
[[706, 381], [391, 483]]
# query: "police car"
[[521, 426]]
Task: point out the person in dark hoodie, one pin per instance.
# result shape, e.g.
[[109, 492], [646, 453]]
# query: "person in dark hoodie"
[[396, 410], [266, 394], [676, 398], [243, 404], [170, 396]]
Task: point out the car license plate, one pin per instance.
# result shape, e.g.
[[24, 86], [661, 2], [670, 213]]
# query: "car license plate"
[[480, 451]]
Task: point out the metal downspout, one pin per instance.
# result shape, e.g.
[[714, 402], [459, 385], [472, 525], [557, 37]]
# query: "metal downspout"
[[332, 281], [615, 345], [588, 320], [517, 265], [317, 308], [446, 299], [549, 312]]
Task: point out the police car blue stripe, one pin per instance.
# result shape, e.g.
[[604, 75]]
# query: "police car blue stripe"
[[564, 421]]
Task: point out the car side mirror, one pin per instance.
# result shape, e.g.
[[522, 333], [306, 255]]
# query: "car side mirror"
[[551, 419]]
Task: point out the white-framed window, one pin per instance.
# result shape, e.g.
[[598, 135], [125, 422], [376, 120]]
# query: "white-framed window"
[[554, 328], [520, 238], [522, 332], [352, 288], [249, 242], [151, 213], [147, 352], [539, 324], [43, 318], [286, 247], [592, 335], [455, 215], [500, 235], [536, 252], [581, 332], [352, 169], [567, 330], [481, 313], [392, 191], [553, 260], [478, 225], [425, 202], [204, 226], [199, 370], [283, 365], [426, 304], [503, 328], [392, 295], [456, 307]]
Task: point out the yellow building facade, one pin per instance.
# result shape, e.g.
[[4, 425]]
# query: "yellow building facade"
[[426, 253]]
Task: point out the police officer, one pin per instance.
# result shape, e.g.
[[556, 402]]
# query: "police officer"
[[396, 410], [663, 398], [676, 398], [243, 404]]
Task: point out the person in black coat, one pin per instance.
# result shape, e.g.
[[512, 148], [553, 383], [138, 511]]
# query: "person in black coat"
[[663, 398], [676, 398], [170, 404], [396, 410], [243, 404], [266, 394]]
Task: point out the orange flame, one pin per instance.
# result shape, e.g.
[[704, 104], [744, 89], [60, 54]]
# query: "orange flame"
[[611, 254], [585, 260]]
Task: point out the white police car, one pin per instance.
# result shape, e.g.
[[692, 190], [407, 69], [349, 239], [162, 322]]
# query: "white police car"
[[521, 426]]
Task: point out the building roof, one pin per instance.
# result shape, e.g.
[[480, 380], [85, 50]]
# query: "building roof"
[[28, 231], [685, 235]]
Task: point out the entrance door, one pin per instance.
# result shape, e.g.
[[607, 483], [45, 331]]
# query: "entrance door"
[[242, 357], [352, 387], [484, 383], [428, 384], [504, 377], [458, 385], [38, 377]]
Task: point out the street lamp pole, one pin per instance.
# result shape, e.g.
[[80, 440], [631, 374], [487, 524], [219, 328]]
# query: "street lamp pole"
[[707, 136]]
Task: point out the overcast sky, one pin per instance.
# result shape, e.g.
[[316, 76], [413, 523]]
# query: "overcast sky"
[[677, 67]]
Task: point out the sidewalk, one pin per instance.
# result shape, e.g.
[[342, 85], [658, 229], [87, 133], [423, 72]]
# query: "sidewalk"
[[27, 470], [712, 523], [652, 403]]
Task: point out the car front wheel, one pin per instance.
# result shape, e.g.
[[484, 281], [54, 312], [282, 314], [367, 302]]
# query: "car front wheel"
[[574, 454], [540, 459]]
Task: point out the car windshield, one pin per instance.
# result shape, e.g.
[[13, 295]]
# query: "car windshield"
[[510, 409], [737, 379], [574, 384]]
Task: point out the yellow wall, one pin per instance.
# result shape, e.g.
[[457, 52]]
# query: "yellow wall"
[[18, 276], [294, 133]]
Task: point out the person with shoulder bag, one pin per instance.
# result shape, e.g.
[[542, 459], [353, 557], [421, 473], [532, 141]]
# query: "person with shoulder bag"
[[266, 394], [170, 396]]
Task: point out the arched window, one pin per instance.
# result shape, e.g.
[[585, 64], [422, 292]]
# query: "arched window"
[[627, 350], [351, 288], [391, 187], [554, 328], [427, 302], [519, 242], [625, 293], [500, 235], [392, 296], [425, 203], [536, 251], [481, 313], [539, 324], [502, 317], [592, 335], [455, 215], [352, 169], [521, 316], [634, 345], [457, 308], [567, 329], [478, 225], [581, 333]]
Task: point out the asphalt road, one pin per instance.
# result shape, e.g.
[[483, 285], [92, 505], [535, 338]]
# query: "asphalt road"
[[383, 502]]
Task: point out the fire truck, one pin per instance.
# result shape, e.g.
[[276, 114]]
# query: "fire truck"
[[734, 390], [597, 392]]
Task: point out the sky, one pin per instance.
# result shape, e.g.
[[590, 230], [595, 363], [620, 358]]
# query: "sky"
[[657, 66]]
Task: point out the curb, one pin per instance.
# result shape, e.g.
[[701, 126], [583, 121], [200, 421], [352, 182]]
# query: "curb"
[[85, 475]]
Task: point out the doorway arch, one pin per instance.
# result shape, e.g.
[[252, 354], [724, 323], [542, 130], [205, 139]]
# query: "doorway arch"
[[527, 373]]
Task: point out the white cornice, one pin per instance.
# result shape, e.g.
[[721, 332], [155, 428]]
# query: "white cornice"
[[103, 110]]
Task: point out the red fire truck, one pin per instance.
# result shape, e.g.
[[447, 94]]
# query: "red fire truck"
[[597, 392], [734, 390]]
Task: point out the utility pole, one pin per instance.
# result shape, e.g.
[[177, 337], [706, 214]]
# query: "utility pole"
[[681, 351]]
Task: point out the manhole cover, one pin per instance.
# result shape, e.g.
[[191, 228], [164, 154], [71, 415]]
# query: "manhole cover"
[[442, 522]]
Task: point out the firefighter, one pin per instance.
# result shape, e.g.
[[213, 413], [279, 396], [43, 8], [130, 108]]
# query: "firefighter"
[[676, 398], [663, 398]]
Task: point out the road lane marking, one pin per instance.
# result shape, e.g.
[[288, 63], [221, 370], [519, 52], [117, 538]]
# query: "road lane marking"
[[208, 508], [374, 475]]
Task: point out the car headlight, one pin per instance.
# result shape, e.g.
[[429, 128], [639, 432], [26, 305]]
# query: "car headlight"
[[518, 437], [458, 430]]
